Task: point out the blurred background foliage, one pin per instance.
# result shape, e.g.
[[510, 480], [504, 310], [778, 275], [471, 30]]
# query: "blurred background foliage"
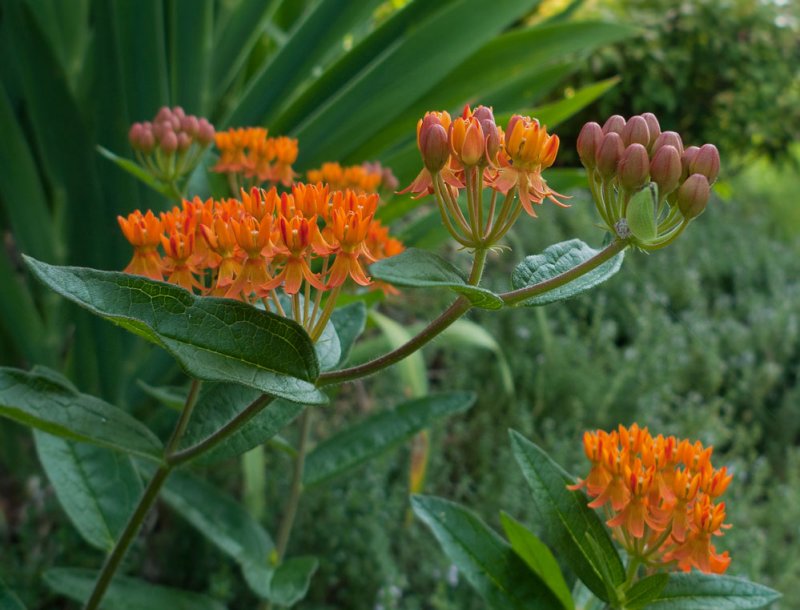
[[701, 340]]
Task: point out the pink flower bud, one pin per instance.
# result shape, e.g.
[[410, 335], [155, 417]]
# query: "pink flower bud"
[[147, 141], [178, 112], [135, 135], [686, 160], [205, 132], [665, 170], [588, 142], [636, 132], [184, 141], [668, 138], [633, 169], [168, 142], [189, 125], [608, 154], [693, 196], [653, 127], [434, 146], [614, 124], [482, 113], [706, 162], [164, 114]]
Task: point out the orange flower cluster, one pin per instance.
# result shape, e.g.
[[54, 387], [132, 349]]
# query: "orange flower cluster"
[[248, 153], [365, 178], [660, 495], [471, 152], [247, 248]]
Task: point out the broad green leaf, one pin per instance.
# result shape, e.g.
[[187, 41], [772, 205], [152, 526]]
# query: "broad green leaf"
[[645, 591], [9, 601], [170, 396], [212, 339], [567, 521], [641, 214], [412, 369], [253, 465], [218, 517], [379, 433], [465, 333], [285, 585], [557, 112], [137, 171], [491, 566], [220, 403], [191, 48], [557, 259], [697, 591], [538, 557], [423, 269], [349, 322], [38, 400], [126, 593], [98, 489]]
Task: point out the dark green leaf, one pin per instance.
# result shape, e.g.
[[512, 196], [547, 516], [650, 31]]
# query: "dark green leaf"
[[9, 601], [567, 521], [535, 553], [38, 400], [411, 370], [285, 585], [697, 591], [218, 517], [487, 562], [212, 339], [557, 259], [222, 402], [329, 348], [380, 433], [137, 171], [349, 322], [98, 489], [126, 593], [556, 112], [645, 591], [420, 268], [191, 47], [171, 396]]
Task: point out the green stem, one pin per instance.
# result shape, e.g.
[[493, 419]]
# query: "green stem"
[[186, 414], [128, 535], [296, 490], [477, 266], [208, 443], [517, 296]]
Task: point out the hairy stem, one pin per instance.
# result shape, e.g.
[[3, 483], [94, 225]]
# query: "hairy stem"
[[296, 490]]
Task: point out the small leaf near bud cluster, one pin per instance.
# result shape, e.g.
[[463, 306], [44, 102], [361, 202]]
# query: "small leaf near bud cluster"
[[623, 156]]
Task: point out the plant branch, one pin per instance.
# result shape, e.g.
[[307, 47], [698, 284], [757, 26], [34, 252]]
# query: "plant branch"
[[296, 490]]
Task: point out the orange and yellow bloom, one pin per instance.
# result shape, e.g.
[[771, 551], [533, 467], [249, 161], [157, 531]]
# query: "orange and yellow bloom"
[[660, 497]]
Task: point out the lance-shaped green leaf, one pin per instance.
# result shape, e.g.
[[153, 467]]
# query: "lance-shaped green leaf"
[[98, 489], [329, 348], [645, 591], [218, 517], [491, 566], [380, 433], [137, 171], [422, 269], [38, 399], [212, 339], [171, 397], [349, 322], [535, 553], [573, 529], [557, 259], [697, 591], [126, 593], [9, 601], [219, 404]]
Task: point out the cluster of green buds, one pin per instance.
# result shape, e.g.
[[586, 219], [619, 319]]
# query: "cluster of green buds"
[[647, 187], [170, 146]]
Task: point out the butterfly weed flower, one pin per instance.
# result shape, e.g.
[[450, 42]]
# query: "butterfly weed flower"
[[364, 178], [646, 186], [249, 158], [266, 248], [471, 154], [660, 497]]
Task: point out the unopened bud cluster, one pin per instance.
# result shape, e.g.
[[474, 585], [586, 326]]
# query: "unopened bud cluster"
[[472, 153], [623, 157], [170, 146]]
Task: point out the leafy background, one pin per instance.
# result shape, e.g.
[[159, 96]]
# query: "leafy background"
[[700, 340]]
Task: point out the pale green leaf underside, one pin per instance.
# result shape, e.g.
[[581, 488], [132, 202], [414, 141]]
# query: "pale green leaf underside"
[[696, 591]]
